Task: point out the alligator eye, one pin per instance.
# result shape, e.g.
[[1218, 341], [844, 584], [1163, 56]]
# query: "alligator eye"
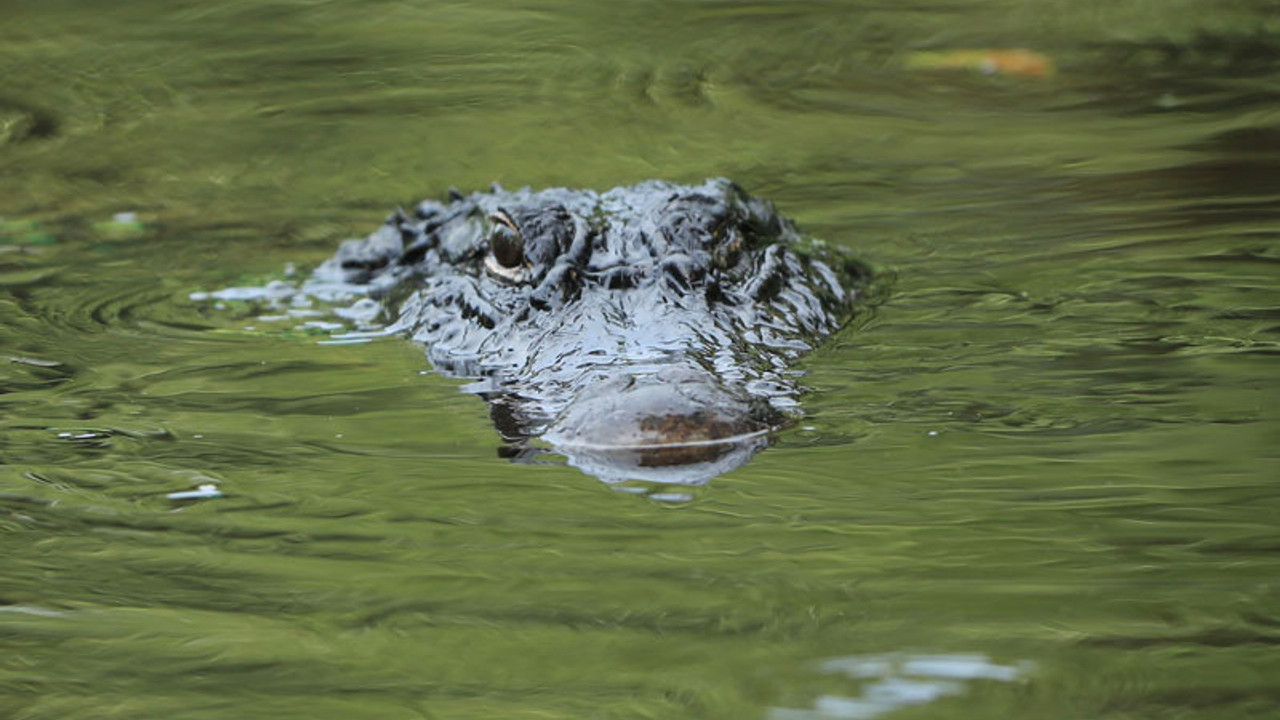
[[505, 242]]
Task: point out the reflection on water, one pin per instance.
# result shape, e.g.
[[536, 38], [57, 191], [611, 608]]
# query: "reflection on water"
[[895, 681]]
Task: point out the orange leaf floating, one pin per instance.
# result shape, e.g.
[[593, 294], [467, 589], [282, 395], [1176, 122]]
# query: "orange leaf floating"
[[1015, 62]]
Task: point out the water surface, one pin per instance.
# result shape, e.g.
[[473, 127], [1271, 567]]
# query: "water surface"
[[1037, 481]]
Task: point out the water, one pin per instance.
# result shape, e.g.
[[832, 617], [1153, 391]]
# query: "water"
[[1038, 481]]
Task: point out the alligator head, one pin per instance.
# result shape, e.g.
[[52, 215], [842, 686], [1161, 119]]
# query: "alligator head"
[[645, 332]]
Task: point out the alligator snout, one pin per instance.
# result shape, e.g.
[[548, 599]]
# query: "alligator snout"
[[677, 424]]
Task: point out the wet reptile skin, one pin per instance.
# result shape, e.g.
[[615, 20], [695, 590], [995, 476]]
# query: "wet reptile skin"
[[657, 322]]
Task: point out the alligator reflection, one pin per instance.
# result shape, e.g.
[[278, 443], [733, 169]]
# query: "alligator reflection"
[[646, 332]]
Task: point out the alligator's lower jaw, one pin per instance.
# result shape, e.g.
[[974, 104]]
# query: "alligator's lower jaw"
[[677, 425]]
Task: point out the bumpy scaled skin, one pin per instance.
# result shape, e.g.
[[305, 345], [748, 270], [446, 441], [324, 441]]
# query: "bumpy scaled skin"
[[645, 331]]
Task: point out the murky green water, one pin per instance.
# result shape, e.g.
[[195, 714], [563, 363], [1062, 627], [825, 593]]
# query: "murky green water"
[[1039, 481]]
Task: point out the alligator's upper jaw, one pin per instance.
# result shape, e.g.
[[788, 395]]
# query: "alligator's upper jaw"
[[675, 425]]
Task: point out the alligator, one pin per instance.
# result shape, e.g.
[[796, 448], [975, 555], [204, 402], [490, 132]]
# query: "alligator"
[[647, 332]]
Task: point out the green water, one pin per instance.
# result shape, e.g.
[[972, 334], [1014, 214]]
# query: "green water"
[[1044, 466]]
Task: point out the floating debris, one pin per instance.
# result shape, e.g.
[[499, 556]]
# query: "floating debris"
[[84, 435], [991, 61], [207, 491], [34, 362], [88, 439]]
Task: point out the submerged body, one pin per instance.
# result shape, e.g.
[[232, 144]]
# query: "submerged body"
[[646, 332]]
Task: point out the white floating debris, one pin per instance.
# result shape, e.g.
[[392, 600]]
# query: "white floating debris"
[[207, 491], [37, 362], [83, 435]]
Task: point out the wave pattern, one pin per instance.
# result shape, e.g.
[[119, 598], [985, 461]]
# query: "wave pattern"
[[1053, 441]]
